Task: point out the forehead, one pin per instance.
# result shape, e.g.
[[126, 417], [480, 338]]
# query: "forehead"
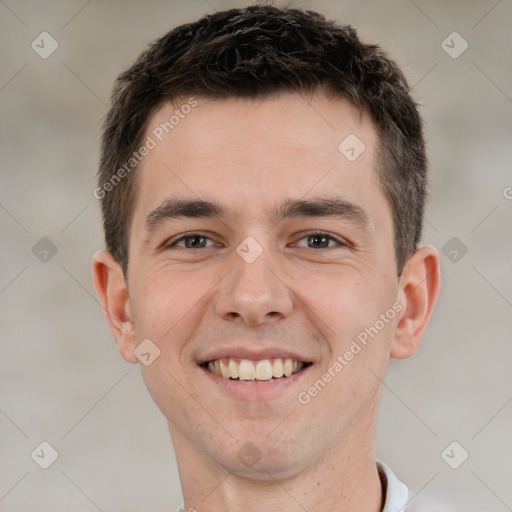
[[285, 121], [250, 153]]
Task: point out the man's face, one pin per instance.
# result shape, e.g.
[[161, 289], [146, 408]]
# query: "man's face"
[[289, 291]]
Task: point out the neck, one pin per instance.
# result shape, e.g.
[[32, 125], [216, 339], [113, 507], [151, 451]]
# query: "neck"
[[344, 479]]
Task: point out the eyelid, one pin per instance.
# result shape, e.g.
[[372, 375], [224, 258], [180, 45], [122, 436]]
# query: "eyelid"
[[178, 238], [340, 241]]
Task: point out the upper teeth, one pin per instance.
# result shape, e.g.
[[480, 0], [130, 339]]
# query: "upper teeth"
[[245, 369]]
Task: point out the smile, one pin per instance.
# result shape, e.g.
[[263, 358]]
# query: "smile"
[[248, 370]]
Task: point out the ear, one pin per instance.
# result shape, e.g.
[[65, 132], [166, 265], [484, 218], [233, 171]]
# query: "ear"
[[418, 291], [112, 290]]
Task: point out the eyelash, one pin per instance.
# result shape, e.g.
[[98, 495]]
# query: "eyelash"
[[307, 235]]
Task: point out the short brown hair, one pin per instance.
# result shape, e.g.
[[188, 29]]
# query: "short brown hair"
[[254, 52]]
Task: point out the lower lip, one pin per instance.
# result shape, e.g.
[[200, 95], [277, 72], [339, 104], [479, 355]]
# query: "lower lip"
[[256, 390]]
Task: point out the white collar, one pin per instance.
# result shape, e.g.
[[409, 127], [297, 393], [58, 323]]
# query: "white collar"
[[395, 492]]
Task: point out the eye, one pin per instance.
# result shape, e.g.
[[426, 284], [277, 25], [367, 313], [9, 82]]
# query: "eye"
[[315, 240], [190, 241], [320, 240]]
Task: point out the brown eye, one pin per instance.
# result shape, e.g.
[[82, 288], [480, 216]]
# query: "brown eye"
[[320, 241], [191, 241]]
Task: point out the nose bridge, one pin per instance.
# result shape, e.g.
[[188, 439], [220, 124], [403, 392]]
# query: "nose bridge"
[[253, 290]]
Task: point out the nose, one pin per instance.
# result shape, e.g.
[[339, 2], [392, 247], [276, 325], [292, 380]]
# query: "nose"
[[254, 292]]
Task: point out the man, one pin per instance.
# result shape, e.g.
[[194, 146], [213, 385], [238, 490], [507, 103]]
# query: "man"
[[262, 183]]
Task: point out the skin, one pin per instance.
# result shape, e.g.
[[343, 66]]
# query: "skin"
[[250, 155]]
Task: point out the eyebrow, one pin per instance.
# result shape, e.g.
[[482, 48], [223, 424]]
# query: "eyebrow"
[[319, 207]]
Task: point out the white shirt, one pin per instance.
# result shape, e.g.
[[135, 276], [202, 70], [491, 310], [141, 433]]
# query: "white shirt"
[[395, 492]]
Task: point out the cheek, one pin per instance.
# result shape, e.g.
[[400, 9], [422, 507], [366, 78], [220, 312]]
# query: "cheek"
[[172, 394], [168, 308], [165, 308], [344, 300], [347, 308], [354, 312]]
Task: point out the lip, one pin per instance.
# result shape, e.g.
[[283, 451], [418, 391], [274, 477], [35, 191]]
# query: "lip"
[[259, 390], [253, 355]]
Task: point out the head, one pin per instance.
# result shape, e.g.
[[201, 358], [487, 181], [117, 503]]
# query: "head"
[[266, 132], [258, 52]]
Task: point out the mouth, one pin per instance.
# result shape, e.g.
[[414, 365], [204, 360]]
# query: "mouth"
[[247, 370]]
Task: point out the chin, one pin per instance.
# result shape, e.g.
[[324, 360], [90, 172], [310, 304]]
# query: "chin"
[[259, 459]]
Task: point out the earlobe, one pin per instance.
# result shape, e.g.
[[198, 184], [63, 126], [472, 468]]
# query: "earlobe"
[[419, 288], [112, 290]]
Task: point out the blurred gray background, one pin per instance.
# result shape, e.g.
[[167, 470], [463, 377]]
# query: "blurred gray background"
[[62, 379]]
